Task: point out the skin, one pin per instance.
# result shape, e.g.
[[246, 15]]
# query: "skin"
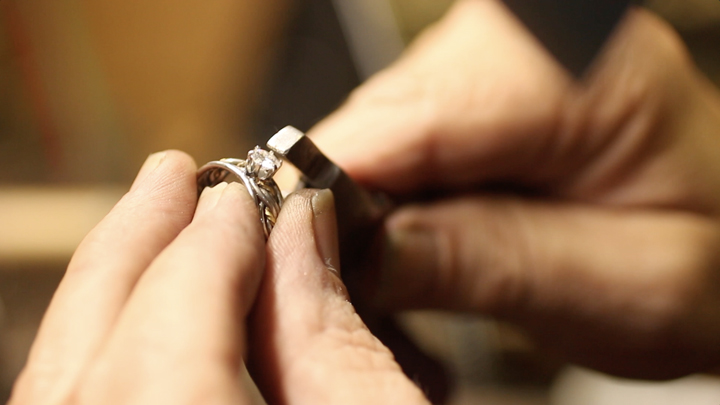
[[154, 306], [583, 211], [586, 212]]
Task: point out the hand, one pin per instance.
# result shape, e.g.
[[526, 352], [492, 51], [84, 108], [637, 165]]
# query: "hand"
[[603, 244], [153, 306]]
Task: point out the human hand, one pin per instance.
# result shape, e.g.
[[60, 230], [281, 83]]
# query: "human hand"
[[604, 243], [153, 306]]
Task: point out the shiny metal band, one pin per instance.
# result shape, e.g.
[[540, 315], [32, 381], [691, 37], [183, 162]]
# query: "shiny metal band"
[[256, 174]]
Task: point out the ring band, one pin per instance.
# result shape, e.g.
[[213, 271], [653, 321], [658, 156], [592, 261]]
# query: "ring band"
[[255, 173]]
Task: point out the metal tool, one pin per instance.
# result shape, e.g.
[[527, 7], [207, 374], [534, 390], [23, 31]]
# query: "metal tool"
[[359, 211]]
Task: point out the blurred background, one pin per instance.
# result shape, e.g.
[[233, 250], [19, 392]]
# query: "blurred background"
[[89, 88]]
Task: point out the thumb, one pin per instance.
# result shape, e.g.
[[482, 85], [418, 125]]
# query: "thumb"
[[596, 284], [308, 346]]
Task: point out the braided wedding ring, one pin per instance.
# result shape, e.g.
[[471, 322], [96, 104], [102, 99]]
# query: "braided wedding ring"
[[255, 173]]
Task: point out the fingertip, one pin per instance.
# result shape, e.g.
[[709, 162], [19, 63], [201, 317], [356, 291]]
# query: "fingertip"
[[236, 197], [229, 205], [164, 193], [162, 163], [176, 169], [178, 156], [409, 258], [167, 181], [150, 164], [209, 198], [304, 243]]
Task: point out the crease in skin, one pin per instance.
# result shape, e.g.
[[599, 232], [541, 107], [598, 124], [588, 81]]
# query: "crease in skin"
[[151, 163], [55, 361], [621, 128], [427, 123], [432, 253], [331, 344], [631, 109], [348, 367], [209, 199], [340, 330], [174, 267]]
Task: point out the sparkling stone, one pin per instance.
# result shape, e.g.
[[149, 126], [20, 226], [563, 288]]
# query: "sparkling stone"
[[262, 164]]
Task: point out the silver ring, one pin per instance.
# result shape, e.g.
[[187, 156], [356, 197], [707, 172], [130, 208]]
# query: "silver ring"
[[255, 173]]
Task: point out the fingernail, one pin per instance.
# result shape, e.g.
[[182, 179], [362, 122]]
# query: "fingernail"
[[209, 198], [325, 228], [409, 259], [151, 163]]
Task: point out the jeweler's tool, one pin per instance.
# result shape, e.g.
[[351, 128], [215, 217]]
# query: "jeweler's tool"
[[574, 31], [358, 210]]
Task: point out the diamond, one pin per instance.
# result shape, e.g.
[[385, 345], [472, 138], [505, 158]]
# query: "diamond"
[[262, 164]]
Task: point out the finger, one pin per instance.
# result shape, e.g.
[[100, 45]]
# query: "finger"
[[104, 270], [460, 106], [183, 328], [596, 284], [310, 347], [477, 99]]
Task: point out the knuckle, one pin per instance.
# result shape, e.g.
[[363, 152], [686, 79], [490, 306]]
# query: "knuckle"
[[500, 265], [657, 60], [388, 88], [646, 66], [668, 43]]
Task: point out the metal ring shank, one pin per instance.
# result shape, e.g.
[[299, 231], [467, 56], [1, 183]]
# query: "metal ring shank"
[[265, 193]]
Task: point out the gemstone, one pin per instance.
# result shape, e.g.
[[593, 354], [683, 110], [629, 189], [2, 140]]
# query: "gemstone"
[[262, 164]]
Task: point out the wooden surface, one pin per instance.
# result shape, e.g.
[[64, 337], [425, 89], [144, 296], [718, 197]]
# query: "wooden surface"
[[45, 225]]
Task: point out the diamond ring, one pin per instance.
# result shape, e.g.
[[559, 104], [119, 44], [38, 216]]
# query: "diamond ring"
[[255, 173]]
